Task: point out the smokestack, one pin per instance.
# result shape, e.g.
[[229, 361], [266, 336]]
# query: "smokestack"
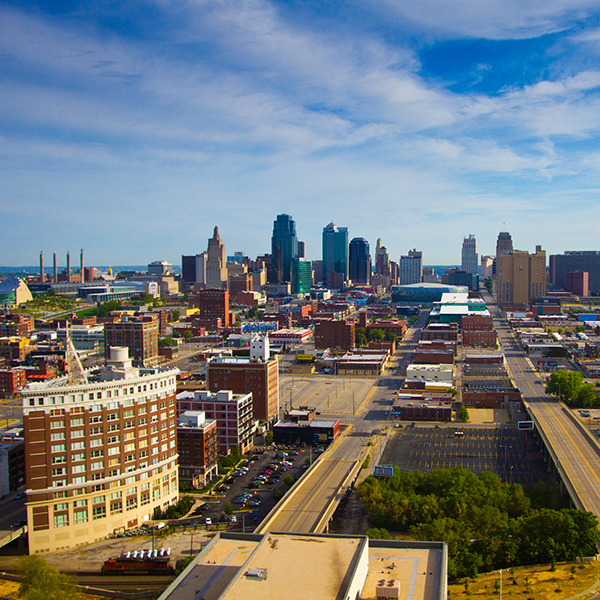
[[69, 267], [55, 270], [81, 267], [41, 267]]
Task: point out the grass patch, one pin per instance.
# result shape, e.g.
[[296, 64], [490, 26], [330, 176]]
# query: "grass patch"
[[538, 582]]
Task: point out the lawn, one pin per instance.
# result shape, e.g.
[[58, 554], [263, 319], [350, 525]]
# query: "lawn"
[[538, 582]]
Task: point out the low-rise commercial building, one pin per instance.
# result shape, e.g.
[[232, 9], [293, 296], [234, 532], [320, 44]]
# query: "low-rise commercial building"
[[197, 447], [305, 432]]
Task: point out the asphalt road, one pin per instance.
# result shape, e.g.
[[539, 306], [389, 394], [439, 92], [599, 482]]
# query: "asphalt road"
[[319, 485], [577, 454]]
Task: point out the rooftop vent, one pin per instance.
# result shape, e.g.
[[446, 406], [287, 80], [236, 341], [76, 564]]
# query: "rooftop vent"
[[258, 574]]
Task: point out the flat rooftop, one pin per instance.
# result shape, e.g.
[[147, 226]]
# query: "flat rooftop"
[[310, 567]]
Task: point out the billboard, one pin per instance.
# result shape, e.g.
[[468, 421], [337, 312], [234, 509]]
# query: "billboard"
[[304, 358], [384, 471], [525, 425], [259, 326]]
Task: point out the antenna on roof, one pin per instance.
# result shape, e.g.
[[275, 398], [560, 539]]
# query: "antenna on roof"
[[76, 374]]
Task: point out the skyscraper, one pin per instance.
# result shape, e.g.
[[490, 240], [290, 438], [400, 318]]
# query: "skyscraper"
[[284, 248], [216, 262], [503, 245], [522, 276], [360, 261], [411, 268], [469, 255], [335, 251], [301, 276], [382, 260]]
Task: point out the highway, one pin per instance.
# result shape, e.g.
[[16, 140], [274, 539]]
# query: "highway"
[[575, 453], [303, 511]]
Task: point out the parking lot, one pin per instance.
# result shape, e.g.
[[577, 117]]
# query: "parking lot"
[[258, 478], [503, 451]]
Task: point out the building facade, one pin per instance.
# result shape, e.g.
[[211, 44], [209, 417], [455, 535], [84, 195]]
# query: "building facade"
[[410, 268], [284, 249], [469, 262], [211, 304], [216, 262], [301, 276], [197, 448], [360, 262], [101, 456], [335, 251], [335, 334], [571, 261], [522, 276], [139, 334]]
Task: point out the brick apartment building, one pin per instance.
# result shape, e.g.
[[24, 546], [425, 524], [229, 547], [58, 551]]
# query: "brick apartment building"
[[12, 380], [336, 334], [138, 333], [212, 303], [100, 456], [440, 331], [476, 322], [433, 357], [197, 448], [473, 337], [233, 413]]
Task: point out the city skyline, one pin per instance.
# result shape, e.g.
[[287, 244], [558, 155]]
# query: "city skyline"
[[133, 133]]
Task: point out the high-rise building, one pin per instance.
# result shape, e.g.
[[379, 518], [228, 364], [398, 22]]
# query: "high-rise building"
[[94, 464], [469, 261], [216, 262], [522, 276], [335, 251], [193, 268], [503, 246], [578, 282], [382, 260], [360, 261], [301, 276], [575, 260], [487, 263], [284, 248], [410, 268]]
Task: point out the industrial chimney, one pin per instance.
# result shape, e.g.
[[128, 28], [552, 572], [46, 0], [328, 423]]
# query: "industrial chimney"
[[81, 267], [55, 270], [41, 267]]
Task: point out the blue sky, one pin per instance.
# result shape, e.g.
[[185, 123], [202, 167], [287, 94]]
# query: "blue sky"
[[131, 129]]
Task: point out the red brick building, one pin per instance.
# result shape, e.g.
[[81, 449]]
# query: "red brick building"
[[476, 322], [11, 381], [241, 375], [211, 303], [479, 338], [433, 357], [578, 282], [335, 334], [392, 326], [477, 397], [440, 331], [139, 334], [197, 447]]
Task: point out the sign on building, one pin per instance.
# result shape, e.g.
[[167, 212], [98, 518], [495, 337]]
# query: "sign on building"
[[525, 425]]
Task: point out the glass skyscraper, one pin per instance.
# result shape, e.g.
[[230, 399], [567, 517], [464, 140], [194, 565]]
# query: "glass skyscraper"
[[335, 251], [360, 261], [284, 248]]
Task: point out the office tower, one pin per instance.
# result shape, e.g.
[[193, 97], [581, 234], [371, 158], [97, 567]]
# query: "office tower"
[[301, 276], [572, 261], [193, 268], [382, 260], [411, 268], [360, 262], [94, 463], [578, 282], [486, 266], [284, 249], [335, 251], [301, 250], [522, 276], [216, 262], [139, 334], [503, 245], [469, 261]]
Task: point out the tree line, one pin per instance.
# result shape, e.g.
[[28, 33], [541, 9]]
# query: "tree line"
[[487, 524]]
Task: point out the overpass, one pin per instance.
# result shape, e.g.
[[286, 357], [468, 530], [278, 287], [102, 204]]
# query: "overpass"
[[569, 446]]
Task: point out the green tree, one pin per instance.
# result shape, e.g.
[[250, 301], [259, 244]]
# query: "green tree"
[[187, 335], [376, 335], [361, 339], [391, 337], [167, 342], [175, 315], [268, 438], [289, 480], [228, 510], [565, 384], [586, 396], [378, 534], [41, 581]]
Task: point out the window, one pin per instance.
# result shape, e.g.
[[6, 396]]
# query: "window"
[[59, 448], [98, 512], [61, 520], [58, 459], [77, 422], [131, 503], [96, 419], [59, 471], [97, 465], [57, 436], [95, 476], [96, 453], [96, 442], [62, 506], [57, 424], [113, 439], [115, 495], [80, 516], [95, 430], [78, 433], [79, 503], [113, 427], [78, 469], [77, 445], [113, 451], [116, 508]]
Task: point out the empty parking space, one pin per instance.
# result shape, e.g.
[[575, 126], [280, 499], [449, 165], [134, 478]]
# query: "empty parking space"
[[506, 452]]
